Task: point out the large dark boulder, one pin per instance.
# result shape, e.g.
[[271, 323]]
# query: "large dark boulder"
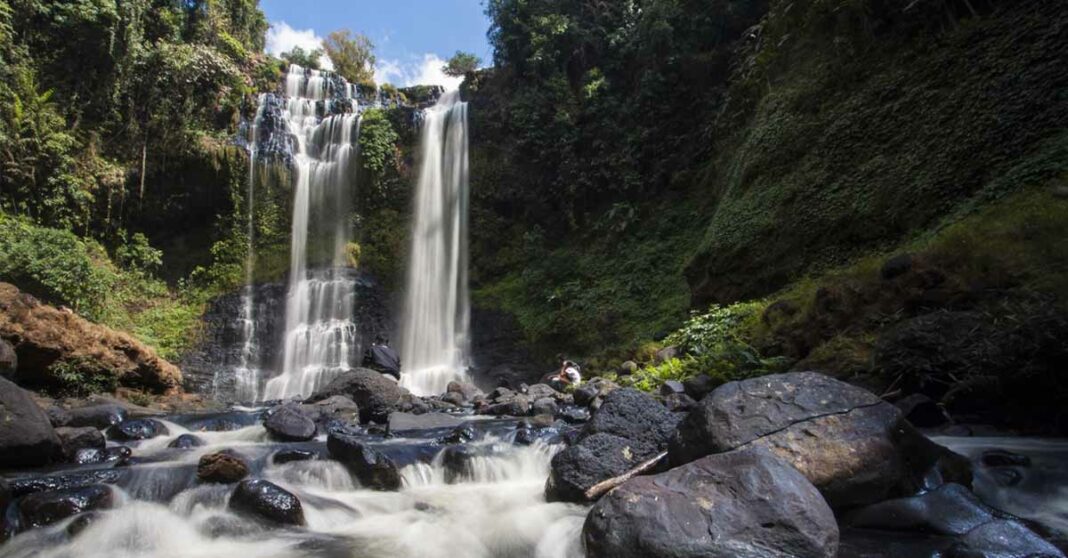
[[744, 503], [45, 508], [856, 448], [630, 428], [98, 416], [335, 408], [372, 468], [374, 394], [288, 423], [266, 500], [137, 429], [74, 439], [27, 438]]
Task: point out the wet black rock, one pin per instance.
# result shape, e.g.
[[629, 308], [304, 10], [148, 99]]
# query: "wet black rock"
[[137, 429], [81, 522], [334, 408], [573, 415], [74, 439], [1002, 539], [461, 434], [376, 395], [514, 405], [856, 448], [293, 455], [585, 394], [117, 454], [591, 460], [45, 508], [1004, 458], [27, 438], [186, 441], [58, 416], [221, 467], [288, 423], [372, 468], [99, 416], [466, 391], [672, 387], [63, 481], [266, 500], [455, 460], [679, 403], [742, 503]]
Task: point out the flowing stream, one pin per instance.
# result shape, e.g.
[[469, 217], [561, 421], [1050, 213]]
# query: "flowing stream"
[[320, 336], [434, 338], [491, 506]]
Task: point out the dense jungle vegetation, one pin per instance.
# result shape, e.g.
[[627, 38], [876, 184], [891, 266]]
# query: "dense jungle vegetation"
[[874, 188]]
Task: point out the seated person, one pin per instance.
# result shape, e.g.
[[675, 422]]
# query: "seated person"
[[381, 358], [569, 374]]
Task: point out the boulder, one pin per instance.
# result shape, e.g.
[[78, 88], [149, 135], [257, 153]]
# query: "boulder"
[[266, 500], [44, 335], [74, 439], [515, 405], [372, 468], [288, 423], [679, 403], [98, 416], [672, 387], [856, 448], [540, 391], [467, 391], [27, 438], [699, 386], [743, 503], [666, 354], [588, 393], [117, 454], [375, 395], [455, 461], [45, 508], [634, 415], [1004, 458], [58, 416], [629, 367], [574, 415], [590, 461], [544, 406], [1002, 539], [454, 398], [292, 455], [948, 510], [461, 434], [137, 429], [221, 467], [337, 407], [186, 441], [403, 423]]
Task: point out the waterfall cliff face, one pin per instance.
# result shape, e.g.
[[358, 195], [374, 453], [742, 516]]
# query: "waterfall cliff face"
[[436, 321]]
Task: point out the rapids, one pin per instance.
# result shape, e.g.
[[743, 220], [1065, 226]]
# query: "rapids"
[[493, 508]]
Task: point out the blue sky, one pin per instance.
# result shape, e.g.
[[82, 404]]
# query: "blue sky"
[[412, 37]]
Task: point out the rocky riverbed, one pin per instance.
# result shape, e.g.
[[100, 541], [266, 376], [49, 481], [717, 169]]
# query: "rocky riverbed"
[[789, 465]]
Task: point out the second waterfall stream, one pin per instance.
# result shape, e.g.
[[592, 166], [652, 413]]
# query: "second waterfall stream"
[[436, 321]]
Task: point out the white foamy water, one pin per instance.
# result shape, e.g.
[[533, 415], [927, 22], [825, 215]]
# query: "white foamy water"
[[495, 509], [434, 338], [320, 336]]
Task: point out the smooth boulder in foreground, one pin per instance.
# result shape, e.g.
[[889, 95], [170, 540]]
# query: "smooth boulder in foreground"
[[372, 468], [855, 447], [27, 438], [266, 500], [374, 394], [745, 503]]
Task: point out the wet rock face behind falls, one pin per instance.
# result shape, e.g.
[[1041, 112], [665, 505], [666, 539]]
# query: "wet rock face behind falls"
[[209, 367]]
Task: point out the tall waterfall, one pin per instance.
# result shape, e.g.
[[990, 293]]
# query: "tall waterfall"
[[247, 374], [434, 342], [320, 336]]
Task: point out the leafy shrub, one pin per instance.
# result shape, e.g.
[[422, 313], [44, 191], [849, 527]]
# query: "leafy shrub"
[[80, 376], [137, 255]]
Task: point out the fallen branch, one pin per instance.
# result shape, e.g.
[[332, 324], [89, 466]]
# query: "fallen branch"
[[597, 490]]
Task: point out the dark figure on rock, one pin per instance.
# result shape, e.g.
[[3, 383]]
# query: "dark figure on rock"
[[381, 358]]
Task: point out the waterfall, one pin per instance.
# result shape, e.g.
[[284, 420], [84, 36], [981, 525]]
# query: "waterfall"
[[247, 375], [320, 335], [434, 342]]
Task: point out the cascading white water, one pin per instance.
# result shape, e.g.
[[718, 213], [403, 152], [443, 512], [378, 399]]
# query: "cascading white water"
[[247, 374], [320, 336], [434, 339]]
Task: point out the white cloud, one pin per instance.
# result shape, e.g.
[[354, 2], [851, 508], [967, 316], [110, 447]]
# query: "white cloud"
[[425, 70], [281, 37]]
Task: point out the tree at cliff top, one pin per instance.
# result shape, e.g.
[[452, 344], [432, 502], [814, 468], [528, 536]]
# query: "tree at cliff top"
[[353, 56], [461, 64]]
